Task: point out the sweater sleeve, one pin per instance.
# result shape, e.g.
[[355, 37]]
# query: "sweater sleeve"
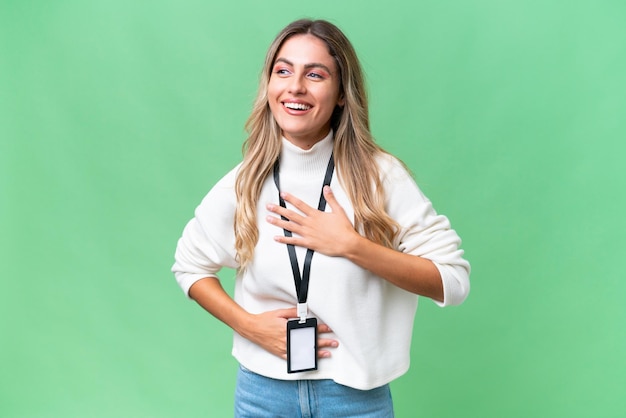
[[208, 241], [425, 233]]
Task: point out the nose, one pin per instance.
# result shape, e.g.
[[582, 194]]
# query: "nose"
[[296, 85]]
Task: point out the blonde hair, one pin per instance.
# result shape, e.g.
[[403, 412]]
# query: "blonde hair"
[[354, 146]]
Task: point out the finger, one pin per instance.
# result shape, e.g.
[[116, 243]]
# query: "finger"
[[332, 201], [323, 354], [297, 203], [325, 342], [322, 328], [284, 212], [292, 227], [295, 241], [288, 225], [287, 313]]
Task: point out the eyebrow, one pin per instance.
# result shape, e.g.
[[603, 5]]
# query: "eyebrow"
[[306, 66]]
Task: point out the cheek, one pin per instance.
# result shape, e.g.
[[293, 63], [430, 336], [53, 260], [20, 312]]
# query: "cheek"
[[272, 97], [271, 90], [330, 96], [330, 100], [275, 87], [274, 110]]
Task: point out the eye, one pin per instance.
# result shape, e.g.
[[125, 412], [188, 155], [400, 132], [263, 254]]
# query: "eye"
[[316, 76], [281, 71]]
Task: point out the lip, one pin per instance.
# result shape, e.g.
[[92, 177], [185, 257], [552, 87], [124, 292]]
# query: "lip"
[[296, 102]]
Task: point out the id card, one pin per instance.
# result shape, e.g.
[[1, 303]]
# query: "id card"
[[301, 345]]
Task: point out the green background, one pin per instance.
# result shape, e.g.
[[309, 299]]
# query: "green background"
[[116, 117]]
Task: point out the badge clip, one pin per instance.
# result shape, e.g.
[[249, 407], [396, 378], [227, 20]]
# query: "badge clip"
[[302, 312]]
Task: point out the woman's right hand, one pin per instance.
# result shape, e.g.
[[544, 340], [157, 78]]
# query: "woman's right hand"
[[269, 330]]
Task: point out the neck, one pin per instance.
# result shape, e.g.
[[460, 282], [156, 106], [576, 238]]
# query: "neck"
[[307, 143], [298, 161]]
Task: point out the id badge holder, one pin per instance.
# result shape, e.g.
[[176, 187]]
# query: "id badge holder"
[[301, 345]]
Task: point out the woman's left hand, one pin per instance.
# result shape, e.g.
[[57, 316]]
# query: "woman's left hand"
[[329, 233]]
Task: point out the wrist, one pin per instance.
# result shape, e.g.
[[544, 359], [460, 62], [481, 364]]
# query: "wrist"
[[242, 323], [354, 245]]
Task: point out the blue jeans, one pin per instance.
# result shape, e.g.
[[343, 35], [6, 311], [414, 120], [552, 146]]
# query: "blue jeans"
[[259, 397]]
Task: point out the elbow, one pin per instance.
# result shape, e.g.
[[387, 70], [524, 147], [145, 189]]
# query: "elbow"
[[456, 284]]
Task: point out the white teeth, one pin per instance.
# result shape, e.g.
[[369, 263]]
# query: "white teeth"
[[297, 106]]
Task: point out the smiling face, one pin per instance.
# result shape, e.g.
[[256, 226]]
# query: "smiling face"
[[303, 90]]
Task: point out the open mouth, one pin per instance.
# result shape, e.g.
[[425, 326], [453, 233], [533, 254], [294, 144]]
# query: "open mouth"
[[296, 106]]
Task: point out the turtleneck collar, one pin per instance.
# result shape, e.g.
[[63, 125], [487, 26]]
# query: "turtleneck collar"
[[296, 160]]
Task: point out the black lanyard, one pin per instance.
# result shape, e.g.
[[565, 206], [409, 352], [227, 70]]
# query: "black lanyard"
[[302, 281]]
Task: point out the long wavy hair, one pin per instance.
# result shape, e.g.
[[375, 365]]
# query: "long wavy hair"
[[354, 146]]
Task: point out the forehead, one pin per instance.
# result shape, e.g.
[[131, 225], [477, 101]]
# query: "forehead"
[[305, 49]]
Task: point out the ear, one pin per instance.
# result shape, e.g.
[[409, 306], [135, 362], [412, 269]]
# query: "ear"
[[341, 102]]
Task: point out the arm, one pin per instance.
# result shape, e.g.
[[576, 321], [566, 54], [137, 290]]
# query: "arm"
[[268, 330], [207, 245], [332, 234], [409, 272]]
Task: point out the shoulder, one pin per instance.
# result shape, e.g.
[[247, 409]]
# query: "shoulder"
[[226, 184], [221, 198], [392, 170], [228, 180], [402, 194]]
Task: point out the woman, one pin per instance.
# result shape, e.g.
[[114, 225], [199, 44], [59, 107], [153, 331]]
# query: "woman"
[[377, 242]]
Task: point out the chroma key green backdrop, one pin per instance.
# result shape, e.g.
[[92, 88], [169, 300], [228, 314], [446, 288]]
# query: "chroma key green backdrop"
[[116, 117]]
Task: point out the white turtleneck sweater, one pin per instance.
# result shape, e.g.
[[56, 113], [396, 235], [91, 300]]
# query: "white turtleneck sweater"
[[371, 318]]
